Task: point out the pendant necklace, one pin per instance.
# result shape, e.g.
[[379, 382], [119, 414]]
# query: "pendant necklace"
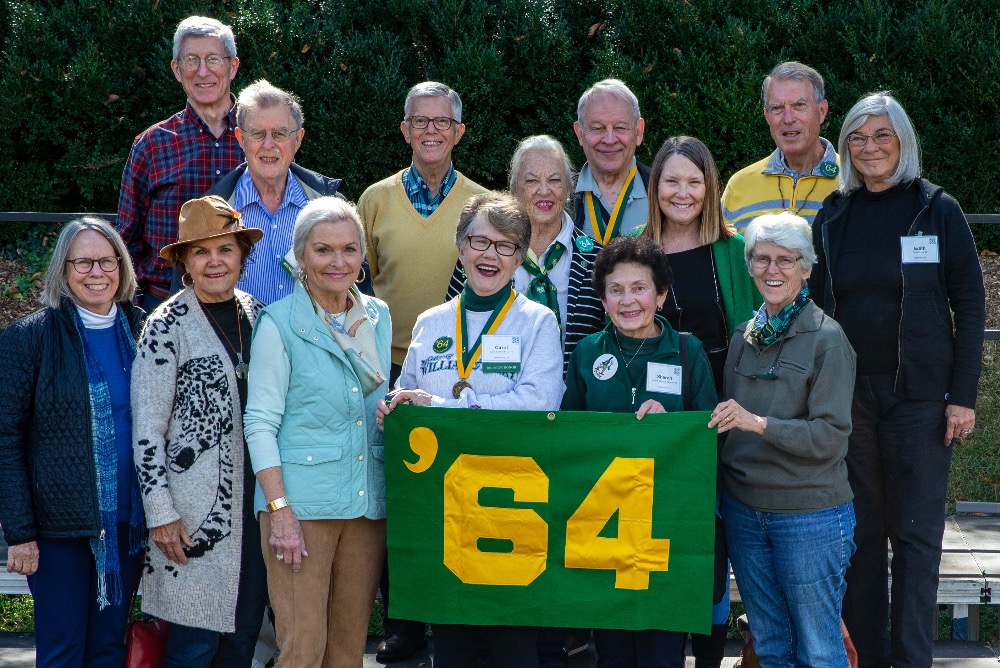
[[241, 367], [627, 362]]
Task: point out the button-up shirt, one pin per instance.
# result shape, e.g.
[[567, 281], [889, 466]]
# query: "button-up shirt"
[[265, 277], [420, 193], [171, 162]]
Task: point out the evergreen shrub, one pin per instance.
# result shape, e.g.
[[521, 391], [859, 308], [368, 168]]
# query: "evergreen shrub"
[[82, 78]]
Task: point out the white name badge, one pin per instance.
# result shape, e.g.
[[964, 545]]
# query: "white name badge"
[[663, 378], [501, 353], [920, 250]]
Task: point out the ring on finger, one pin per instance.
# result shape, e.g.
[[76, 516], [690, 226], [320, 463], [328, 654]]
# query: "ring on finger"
[[279, 557]]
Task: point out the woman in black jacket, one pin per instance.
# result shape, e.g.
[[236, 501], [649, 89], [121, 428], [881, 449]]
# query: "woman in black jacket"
[[70, 506], [899, 271]]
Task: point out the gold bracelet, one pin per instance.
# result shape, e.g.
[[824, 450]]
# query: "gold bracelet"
[[277, 504]]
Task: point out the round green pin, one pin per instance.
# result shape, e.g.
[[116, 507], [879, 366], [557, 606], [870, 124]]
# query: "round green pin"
[[584, 243], [829, 169], [443, 344]]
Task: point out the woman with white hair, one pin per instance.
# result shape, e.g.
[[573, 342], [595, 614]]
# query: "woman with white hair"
[[786, 501], [899, 271], [70, 505], [321, 361]]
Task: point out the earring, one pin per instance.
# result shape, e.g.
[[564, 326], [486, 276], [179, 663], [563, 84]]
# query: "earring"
[[186, 280], [361, 279], [303, 278]]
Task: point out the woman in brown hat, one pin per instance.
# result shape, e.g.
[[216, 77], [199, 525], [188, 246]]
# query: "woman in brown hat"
[[189, 383]]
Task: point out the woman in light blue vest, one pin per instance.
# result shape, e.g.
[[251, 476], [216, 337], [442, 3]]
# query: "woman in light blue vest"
[[320, 361]]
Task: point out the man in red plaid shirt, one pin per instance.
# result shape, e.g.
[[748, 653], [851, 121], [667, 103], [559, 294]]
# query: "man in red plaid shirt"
[[182, 157]]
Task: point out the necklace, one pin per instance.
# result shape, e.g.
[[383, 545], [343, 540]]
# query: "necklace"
[[241, 366], [718, 300], [627, 362], [791, 204]]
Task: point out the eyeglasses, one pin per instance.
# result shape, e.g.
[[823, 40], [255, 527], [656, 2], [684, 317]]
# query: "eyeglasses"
[[84, 265], [213, 62], [279, 135], [782, 261], [505, 248], [441, 122], [769, 375], [859, 140]]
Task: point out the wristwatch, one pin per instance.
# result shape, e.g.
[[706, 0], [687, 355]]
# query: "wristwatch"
[[277, 504]]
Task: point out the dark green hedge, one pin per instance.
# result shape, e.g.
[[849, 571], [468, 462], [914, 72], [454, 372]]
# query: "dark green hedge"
[[81, 78]]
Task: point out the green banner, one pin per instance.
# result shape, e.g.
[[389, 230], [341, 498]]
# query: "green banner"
[[551, 519]]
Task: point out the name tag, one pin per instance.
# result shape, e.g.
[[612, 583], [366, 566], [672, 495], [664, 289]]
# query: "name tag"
[[663, 378], [501, 353], [920, 250]]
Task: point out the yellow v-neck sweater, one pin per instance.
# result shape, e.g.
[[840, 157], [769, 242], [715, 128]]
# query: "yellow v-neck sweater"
[[411, 258]]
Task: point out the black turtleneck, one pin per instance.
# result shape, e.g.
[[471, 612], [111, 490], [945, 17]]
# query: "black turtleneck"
[[868, 283]]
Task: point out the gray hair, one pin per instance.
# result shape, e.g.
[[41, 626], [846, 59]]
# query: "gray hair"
[[262, 95], [793, 70], [539, 144], [503, 213], [783, 229], [55, 286], [433, 89], [202, 26], [324, 210], [613, 87], [881, 103]]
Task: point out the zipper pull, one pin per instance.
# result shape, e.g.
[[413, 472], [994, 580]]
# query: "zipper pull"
[[102, 530], [633, 396]]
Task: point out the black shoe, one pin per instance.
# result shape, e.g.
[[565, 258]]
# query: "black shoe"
[[397, 647]]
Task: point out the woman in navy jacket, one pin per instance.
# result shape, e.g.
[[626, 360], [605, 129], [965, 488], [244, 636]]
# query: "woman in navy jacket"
[[899, 271]]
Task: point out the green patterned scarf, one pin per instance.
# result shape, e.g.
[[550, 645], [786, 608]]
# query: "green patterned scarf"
[[541, 289], [766, 331]]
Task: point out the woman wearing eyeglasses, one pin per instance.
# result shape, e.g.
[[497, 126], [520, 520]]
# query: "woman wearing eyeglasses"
[[615, 371], [899, 271], [786, 501], [70, 505], [456, 359]]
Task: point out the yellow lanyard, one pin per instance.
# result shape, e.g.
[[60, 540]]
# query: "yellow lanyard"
[[616, 215], [465, 366]]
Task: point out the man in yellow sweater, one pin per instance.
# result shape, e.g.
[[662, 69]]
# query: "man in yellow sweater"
[[803, 168], [410, 217], [410, 220]]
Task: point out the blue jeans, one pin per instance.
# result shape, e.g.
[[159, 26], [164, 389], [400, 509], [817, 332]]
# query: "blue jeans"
[[790, 570], [70, 627]]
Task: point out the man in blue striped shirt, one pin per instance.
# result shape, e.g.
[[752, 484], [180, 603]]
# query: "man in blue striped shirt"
[[269, 189]]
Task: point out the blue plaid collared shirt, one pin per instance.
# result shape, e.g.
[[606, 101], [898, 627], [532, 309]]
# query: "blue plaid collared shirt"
[[420, 194]]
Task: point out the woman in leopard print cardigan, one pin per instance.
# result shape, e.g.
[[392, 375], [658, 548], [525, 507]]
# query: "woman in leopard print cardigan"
[[188, 392]]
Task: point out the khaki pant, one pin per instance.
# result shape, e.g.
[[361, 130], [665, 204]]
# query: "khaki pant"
[[321, 613]]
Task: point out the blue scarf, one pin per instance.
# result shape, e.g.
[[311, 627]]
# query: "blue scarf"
[[105, 546]]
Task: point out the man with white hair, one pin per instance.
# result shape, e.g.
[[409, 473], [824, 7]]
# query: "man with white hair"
[[611, 189], [182, 157], [410, 220], [803, 169], [270, 189]]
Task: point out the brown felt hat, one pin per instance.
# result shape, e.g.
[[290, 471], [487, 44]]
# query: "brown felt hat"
[[208, 217]]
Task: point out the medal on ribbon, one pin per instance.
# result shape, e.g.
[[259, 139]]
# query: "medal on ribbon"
[[465, 355]]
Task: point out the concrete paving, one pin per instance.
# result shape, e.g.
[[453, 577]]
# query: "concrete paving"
[[17, 650]]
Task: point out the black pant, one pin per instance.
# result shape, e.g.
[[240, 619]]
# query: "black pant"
[[898, 467], [455, 645]]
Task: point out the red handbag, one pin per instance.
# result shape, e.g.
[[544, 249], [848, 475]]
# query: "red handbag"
[[146, 643]]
